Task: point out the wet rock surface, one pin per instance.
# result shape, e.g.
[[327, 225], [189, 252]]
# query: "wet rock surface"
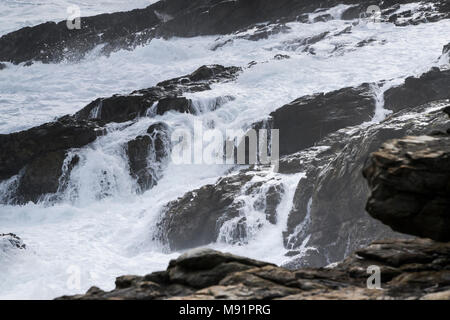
[[306, 120], [430, 86], [38, 154], [55, 42], [147, 154], [10, 241], [330, 202], [166, 96], [410, 269], [197, 218]]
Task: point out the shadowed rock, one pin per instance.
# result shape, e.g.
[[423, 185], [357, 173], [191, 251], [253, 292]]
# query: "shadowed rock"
[[430, 86], [55, 42], [410, 182], [147, 155], [410, 269]]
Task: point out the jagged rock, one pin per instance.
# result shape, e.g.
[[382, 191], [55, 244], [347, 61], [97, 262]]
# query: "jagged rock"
[[54, 42], [42, 176], [146, 155], [329, 203], [167, 95], [10, 241], [197, 218], [306, 120], [409, 269], [410, 183], [40, 151], [430, 86], [20, 149]]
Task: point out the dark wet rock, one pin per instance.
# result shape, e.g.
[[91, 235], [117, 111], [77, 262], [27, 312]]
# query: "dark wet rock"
[[21, 148], [10, 241], [197, 218], [55, 42], [177, 104], [2, 66], [305, 43], [430, 86], [167, 96], [281, 57], [410, 183], [302, 122], [148, 154], [329, 204], [410, 269], [41, 177], [39, 153]]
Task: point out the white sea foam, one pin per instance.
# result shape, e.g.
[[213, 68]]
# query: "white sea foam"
[[102, 227]]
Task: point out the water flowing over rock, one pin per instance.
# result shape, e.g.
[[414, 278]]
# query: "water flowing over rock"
[[166, 96], [430, 86], [147, 155], [10, 241], [407, 268], [306, 120], [198, 217], [55, 42], [410, 182], [37, 155]]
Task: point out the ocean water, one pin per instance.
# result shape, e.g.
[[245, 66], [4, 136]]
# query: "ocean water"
[[98, 231]]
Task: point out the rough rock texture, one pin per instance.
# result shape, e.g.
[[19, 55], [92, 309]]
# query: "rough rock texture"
[[410, 182], [38, 154], [54, 42], [19, 149], [410, 269], [146, 155], [197, 218], [166, 96], [430, 86], [329, 204], [306, 120]]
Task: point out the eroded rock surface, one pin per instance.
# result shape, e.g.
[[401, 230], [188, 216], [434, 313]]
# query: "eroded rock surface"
[[410, 269], [410, 182]]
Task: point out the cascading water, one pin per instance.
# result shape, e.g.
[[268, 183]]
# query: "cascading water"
[[99, 223]]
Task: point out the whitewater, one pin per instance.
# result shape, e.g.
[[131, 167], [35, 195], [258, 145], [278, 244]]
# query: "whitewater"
[[97, 230]]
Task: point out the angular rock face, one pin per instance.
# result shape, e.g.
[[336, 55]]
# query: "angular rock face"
[[54, 42], [407, 268], [430, 86], [38, 154], [167, 96], [306, 120], [410, 182], [197, 218], [19, 149], [329, 204], [147, 154]]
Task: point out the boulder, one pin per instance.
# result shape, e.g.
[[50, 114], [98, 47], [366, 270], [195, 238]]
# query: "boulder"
[[410, 183], [409, 270], [330, 201], [147, 155], [199, 216]]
